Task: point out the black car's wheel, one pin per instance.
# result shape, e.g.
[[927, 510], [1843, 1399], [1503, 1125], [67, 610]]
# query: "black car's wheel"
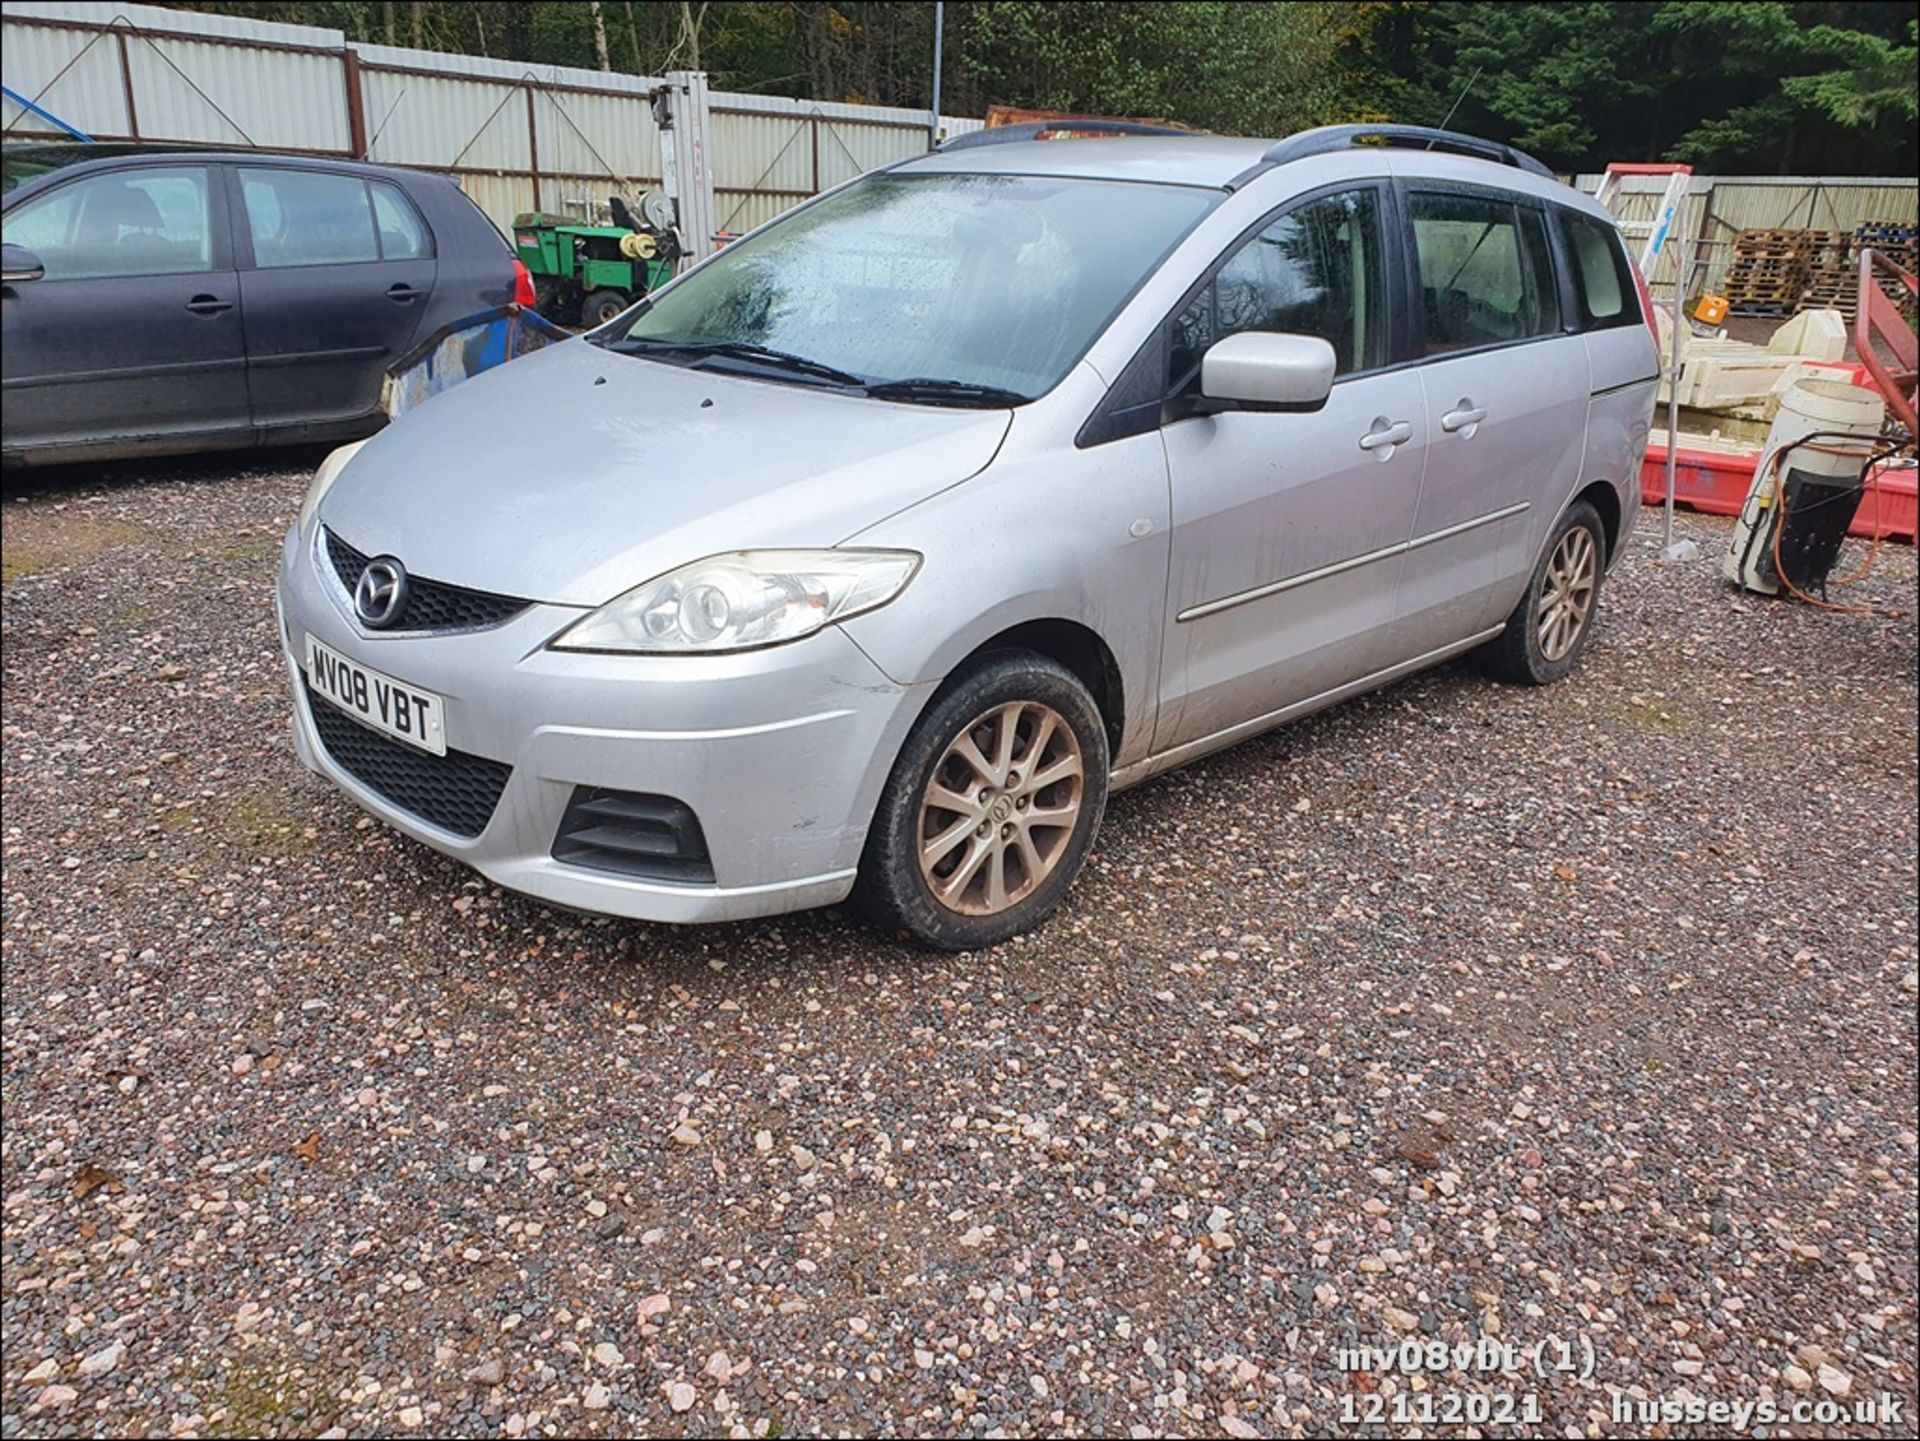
[[1550, 627], [992, 806], [600, 306]]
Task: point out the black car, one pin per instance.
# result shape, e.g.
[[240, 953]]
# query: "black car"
[[176, 300]]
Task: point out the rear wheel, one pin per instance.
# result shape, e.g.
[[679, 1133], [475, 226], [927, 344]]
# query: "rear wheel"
[[600, 306], [1550, 627], [991, 808]]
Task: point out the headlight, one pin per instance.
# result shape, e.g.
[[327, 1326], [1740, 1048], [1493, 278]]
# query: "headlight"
[[746, 599], [324, 477]]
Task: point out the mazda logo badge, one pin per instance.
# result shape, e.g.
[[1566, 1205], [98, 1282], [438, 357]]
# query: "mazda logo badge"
[[380, 596]]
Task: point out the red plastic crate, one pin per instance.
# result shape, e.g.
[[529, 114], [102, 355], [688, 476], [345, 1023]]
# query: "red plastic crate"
[[1717, 481]]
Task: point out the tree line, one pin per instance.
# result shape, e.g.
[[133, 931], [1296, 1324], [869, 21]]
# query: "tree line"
[[1747, 87]]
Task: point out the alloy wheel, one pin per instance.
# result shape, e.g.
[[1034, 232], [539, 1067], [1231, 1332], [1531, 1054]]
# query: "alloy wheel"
[[1000, 809], [1566, 597]]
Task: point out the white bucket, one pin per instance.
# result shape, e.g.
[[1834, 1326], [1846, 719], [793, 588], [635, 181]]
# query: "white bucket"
[[1816, 405]]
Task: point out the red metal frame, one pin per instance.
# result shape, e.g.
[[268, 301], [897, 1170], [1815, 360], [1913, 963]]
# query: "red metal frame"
[[1879, 319]]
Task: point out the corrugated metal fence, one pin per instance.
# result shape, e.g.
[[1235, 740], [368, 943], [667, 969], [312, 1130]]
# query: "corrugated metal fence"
[[543, 137], [519, 137], [1720, 207]]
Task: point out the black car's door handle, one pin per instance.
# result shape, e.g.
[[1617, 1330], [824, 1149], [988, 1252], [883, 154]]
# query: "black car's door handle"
[[208, 305], [401, 292]]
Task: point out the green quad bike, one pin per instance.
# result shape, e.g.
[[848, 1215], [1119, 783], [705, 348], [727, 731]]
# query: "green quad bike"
[[586, 274]]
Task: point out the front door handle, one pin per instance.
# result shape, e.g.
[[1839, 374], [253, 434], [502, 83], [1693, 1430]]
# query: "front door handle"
[[208, 305], [1385, 435], [400, 292], [1463, 419]]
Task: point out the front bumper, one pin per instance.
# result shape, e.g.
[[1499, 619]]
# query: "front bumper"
[[780, 753]]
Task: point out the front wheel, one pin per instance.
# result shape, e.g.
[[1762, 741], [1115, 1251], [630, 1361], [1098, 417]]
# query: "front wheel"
[[991, 808], [600, 306], [1550, 627]]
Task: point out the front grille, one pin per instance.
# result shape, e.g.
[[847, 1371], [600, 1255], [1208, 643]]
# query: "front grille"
[[456, 792], [651, 837], [431, 604]]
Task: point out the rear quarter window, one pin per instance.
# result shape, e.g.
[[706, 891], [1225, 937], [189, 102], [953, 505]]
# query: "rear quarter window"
[[1602, 273]]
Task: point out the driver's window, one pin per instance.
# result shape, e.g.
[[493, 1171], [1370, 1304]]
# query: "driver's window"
[[1315, 271], [145, 220]]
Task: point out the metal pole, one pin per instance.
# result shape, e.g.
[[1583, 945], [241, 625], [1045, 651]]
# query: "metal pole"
[[939, 34], [1680, 266]]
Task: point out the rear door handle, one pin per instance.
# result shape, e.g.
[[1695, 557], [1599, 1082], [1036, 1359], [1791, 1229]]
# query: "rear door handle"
[[401, 292], [1385, 435], [208, 305], [1463, 419]]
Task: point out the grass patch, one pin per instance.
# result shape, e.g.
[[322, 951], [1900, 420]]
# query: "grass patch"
[[257, 1402], [35, 541], [247, 552], [1659, 719], [139, 615], [253, 823]]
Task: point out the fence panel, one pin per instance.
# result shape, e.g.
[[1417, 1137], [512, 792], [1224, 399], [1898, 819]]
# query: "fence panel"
[[517, 136], [73, 73], [227, 94], [444, 122]]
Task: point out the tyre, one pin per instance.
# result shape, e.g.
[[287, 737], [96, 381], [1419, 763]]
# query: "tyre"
[[992, 806], [600, 306], [1550, 627]]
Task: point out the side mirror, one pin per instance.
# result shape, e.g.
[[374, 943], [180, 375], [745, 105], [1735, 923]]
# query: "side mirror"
[[1262, 370], [18, 264]]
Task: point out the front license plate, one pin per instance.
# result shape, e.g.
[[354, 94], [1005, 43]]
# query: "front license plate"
[[392, 707]]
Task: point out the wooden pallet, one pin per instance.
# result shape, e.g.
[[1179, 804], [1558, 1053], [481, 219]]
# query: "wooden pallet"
[[1762, 295], [1885, 234], [1778, 272], [1835, 291]]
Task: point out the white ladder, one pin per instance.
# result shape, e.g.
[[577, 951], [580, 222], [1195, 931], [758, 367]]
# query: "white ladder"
[[1652, 232], [1656, 233]]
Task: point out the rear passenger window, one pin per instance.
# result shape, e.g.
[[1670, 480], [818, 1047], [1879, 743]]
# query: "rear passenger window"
[[1317, 270], [1603, 278], [1485, 279], [401, 234], [307, 217]]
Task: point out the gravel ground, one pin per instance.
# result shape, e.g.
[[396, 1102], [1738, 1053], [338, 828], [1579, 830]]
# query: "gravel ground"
[[1457, 1012]]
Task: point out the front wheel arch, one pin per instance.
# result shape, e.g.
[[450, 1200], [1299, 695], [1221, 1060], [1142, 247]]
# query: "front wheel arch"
[[892, 888]]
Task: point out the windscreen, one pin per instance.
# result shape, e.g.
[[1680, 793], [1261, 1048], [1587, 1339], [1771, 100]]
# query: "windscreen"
[[990, 280]]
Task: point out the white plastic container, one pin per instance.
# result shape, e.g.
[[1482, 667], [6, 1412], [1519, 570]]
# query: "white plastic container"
[[1808, 407], [1814, 334]]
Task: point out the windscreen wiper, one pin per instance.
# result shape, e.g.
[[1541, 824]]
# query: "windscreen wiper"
[[782, 360], [934, 391]]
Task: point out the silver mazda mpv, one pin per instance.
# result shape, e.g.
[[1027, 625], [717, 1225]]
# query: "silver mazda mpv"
[[871, 555]]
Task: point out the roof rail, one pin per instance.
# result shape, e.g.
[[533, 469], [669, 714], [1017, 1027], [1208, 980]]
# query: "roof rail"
[[1330, 138], [1034, 129]]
